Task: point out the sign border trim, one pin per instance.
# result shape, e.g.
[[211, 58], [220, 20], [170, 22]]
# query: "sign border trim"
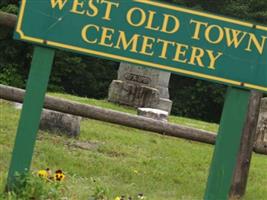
[[149, 64]]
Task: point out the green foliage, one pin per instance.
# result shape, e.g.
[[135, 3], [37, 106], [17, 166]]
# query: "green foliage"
[[196, 99], [30, 186], [10, 8], [100, 192], [10, 76], [82, 75], [14, 62]]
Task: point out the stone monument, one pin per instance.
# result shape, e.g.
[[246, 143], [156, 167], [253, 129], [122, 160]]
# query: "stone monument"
[[153, 114], [141, 87], [57, 122], [262, 123]]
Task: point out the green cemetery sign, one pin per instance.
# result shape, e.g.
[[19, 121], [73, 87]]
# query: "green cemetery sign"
[[152, 34]]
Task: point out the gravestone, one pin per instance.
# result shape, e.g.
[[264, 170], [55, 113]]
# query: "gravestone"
[[141, 87], [153, 114], [18, 106], [57, 122], [262, 123]]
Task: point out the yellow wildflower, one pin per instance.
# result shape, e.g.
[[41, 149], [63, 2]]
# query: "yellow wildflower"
[[43, 173], [59, 175]]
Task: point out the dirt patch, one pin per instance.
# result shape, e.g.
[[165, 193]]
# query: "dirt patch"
[[84, 145]]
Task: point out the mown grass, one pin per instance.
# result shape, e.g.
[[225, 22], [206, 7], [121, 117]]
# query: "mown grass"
[[124, 160]]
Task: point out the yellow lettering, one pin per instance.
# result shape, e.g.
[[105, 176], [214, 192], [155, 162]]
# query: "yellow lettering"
[[75, 6], [197, 28], [85, 33], [109, 6], [180, 51], [130, 14], [93, 8], [126, 44], [255, 41], [220, 36], [58, 3], [147, 45], [165, 46], [106, 37], [150, 21], [197, 54], [233, 37], [166, 23], [213, 58]]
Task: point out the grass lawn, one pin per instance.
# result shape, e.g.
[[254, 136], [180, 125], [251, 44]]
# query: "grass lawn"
[[124, 161]]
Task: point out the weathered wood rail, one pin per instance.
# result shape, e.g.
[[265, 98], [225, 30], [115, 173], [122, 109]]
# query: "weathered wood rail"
[[93, 112]]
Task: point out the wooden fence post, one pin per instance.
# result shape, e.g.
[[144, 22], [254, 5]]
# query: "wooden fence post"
[[240, 177]]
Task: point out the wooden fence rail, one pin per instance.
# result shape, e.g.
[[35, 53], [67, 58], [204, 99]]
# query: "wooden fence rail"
[[93, 112]]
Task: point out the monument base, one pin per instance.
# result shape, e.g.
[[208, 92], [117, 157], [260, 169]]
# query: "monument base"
[[134, 95], [153, 113]]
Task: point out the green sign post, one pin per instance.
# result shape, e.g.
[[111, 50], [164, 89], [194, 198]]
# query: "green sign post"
[[227, 143], [151, 34], [32, 107]]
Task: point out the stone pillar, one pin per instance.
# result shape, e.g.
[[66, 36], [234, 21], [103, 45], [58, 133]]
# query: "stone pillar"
[[262, 123], [141, 87]]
